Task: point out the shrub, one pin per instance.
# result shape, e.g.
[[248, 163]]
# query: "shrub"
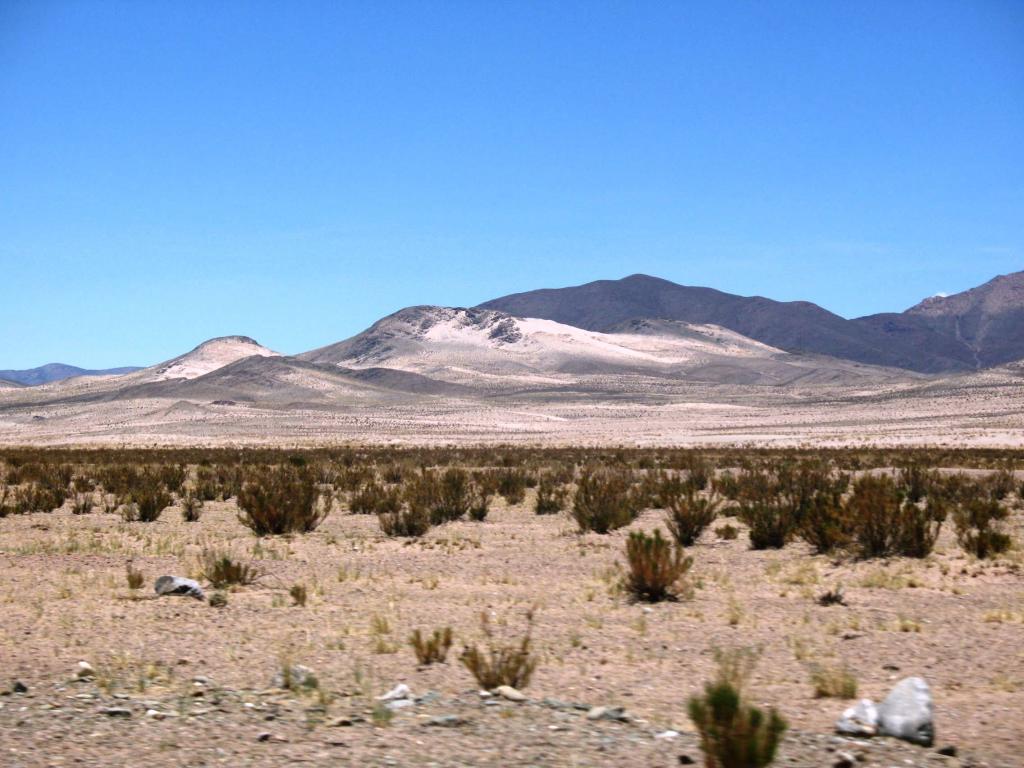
[[550, 496], [147, 500], [299, 595], [511, 485], [191, 508], [604, 501], [82, 504], [874, 509], [281, 500], [405, 521], [919, 527], [433, 649], [977, 529], [501, 663], [728, 532], [834, 683], [688, 516], [454, 497], [221, 570], [767, 512], [374, 499], [133, 576], [479, 502], [824, 523], [656, 567], [734, 734]]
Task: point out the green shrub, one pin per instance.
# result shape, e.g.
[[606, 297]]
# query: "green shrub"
[[406, 521], [191, 507], [499, 663], [656, 567], [277, 500], [433, 649], [604, 501], [551, 496], [875, 510], [977, 527], [221, 570], [734, 734], [374, 499], [688, 516]]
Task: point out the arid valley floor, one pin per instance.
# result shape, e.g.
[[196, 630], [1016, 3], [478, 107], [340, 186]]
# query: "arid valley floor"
[[175, 681]]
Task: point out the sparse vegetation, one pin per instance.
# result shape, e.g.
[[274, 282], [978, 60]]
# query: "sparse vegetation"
[[978, 530], [734, 734], [285, 499], [501, 663], [656, 567], [222, 570], [604, 501], [433, 649], [688, 515], [833, 682]]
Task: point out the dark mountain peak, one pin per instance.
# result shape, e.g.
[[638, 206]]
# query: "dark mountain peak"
[[795, 326], [1000, 294], [44, 374]]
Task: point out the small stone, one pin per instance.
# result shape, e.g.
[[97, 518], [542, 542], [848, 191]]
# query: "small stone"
[[428, 698], [859, 720], [510, 693], [178, 585], [19, 687], [949, 750], [446, 721], [844, 760], [116, 712], [400, 691], [265, 736], [399, 704], [608, 713], [686, 760], [596, 713], [341, 722], [667, 735], [84, 670], [155, 714]]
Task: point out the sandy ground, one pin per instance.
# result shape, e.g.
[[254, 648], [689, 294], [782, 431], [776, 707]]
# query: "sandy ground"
[[205, 674]]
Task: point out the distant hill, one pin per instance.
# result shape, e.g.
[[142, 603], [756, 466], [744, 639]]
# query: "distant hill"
[[913, 340], [44, 374]]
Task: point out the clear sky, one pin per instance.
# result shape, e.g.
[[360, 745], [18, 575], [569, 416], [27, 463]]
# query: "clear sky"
[[173, 171]]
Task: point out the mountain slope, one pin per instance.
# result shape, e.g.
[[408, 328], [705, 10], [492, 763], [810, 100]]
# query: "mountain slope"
[[44, 374], [797, 326], [987, 320]]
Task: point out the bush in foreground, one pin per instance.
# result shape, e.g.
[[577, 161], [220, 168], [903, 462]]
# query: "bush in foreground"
[[734, 734], [501, 663], [604, 501], [688, 515]]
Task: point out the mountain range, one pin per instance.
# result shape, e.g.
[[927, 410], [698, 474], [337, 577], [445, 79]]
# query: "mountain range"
[[974, 329], [637, 357]]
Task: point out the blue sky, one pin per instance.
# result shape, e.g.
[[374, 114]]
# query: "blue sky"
[[172, 171]]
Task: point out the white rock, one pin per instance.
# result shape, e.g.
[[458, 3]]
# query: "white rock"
[[906, 712], [510, 693], [859, 720], [400, 691], [84, 669]]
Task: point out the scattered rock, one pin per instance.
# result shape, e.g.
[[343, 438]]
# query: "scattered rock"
[[156, 714], [84, 670], [949, 750], [116, 712], [265, 736], [400, 691], [178, 585], [906, 712], [510, 693], [844, 760], [667, 735], [608, 713], [19, 687], [686, 760], [446, 721], [859, 720], [399, 704], [428, 698]]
